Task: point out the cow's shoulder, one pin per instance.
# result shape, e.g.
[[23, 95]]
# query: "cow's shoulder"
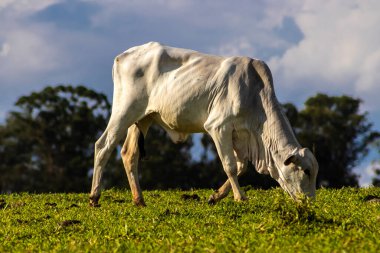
[[250, 72], [262, 69]]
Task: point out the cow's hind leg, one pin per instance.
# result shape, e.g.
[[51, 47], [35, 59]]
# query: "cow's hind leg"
[[131, 153], [222, 137], [223, 191]]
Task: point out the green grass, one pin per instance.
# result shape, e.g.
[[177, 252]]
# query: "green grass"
[[345, 220]]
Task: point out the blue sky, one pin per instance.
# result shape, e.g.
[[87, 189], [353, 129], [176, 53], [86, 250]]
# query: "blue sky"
[[311, 46]]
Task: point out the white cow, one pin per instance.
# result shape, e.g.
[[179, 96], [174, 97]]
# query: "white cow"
[[184, 91]]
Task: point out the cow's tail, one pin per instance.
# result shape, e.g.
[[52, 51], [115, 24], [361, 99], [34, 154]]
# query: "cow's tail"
[[116, 78], [115, 70]]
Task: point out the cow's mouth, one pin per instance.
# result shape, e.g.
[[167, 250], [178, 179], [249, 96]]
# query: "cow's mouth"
[[295, 194]]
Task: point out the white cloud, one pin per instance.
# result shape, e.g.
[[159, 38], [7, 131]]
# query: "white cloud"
[[36, 52], [13, 9], [4, 49], [339, 51], [369, 78], [25, 48], [27, 54], [237, 46], [367, 173]]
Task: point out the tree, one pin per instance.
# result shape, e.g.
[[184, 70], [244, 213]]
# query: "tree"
[[376, 165], [376, 179], [47, 145], [337, 132]]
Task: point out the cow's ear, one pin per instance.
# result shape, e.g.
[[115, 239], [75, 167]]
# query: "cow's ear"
[[291, 159]]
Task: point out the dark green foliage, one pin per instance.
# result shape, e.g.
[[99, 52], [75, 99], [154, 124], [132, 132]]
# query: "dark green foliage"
[[47, 145], [339, 134], [376, 179], [376, 166], [169, 165]]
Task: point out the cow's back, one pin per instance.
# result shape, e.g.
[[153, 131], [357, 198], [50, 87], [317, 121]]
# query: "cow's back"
[[184, 88], [177, 83]]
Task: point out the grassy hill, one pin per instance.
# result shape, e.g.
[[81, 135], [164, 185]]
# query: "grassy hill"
[[344, 220]]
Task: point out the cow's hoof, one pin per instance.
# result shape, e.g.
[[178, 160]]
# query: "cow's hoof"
[[92, 204], [94, 201], [212, 201], [139, 203]]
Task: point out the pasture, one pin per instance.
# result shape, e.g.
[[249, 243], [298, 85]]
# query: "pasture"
[[344, 220]]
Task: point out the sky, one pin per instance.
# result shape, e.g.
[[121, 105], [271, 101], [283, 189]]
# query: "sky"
[[311, 46]]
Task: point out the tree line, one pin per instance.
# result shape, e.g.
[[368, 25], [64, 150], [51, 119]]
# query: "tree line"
[[47, 145]]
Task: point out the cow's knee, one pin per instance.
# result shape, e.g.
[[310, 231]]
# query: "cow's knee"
[[241, 167], [125, 155], [230, 167]]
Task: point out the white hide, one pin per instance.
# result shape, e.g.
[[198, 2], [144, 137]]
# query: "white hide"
[[231, 98]]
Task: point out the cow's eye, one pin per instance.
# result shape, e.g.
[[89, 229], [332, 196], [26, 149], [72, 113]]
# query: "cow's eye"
[[307, 172]]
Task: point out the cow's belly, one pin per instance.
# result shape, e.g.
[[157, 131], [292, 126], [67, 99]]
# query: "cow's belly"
[[188, 119], [186, 114]]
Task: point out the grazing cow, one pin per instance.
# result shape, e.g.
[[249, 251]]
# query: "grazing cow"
[[184, 91]]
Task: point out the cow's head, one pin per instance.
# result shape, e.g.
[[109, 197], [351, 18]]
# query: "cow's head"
[[298, 174]]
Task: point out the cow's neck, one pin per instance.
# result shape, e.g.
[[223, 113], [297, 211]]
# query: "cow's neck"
[[277, 134]]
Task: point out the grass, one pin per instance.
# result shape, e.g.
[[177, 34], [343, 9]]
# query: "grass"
[[344, 220]]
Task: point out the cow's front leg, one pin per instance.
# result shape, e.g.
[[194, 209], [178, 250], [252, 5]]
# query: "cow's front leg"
[[223, 191], [130, 154], [222, 137]]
